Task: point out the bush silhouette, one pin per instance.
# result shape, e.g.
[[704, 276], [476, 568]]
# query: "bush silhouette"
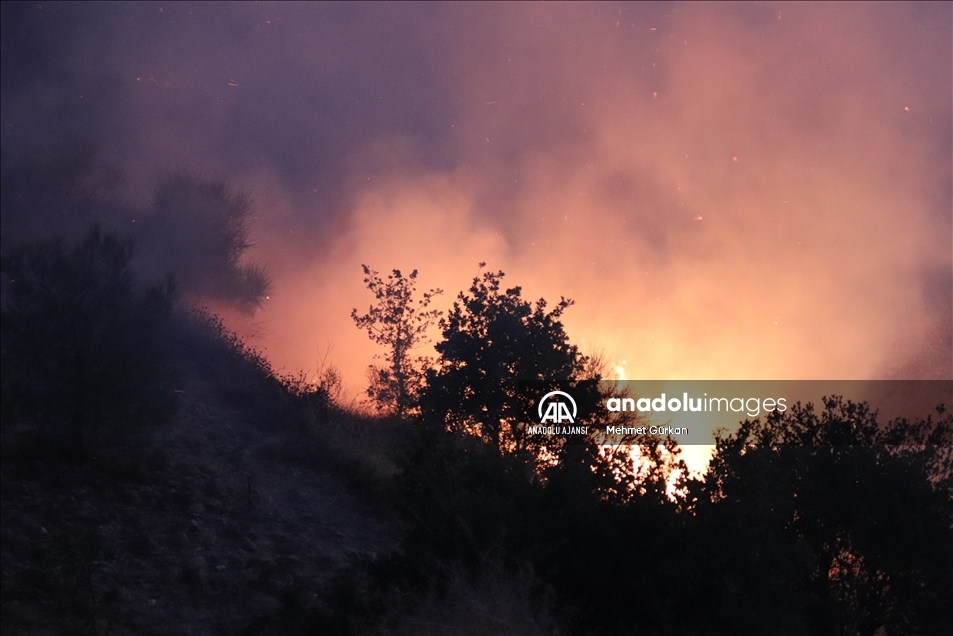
[[829, 522], [83, 345]]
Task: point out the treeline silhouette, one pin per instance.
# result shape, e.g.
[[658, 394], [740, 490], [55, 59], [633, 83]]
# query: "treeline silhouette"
[[820, 520], [193, 227], [814, 521]]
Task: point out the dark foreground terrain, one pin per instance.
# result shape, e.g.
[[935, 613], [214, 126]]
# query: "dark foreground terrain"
[[260, 506], [215, 523]]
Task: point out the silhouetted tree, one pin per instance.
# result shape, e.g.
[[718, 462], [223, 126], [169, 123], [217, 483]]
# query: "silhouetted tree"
[[400, 324], [82, 344], [492, 339], [198, 230]]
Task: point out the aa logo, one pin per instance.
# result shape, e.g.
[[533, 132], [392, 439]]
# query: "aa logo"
[[556, 412]]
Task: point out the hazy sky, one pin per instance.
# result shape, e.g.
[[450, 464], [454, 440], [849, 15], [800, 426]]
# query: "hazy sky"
[[726, 190]]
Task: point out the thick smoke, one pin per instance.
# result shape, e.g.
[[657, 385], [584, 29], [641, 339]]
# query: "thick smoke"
[[727, 191]]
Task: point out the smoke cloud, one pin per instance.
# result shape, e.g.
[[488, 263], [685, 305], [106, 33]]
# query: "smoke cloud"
[[727, 191]]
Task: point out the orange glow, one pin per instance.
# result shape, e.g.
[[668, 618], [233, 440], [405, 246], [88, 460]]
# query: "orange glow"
[[818, 204]]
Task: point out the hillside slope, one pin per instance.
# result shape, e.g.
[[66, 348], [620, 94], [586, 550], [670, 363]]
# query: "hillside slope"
[[210, 528]]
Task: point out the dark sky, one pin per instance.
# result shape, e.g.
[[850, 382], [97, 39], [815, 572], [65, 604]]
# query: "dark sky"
[[726, 190]]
